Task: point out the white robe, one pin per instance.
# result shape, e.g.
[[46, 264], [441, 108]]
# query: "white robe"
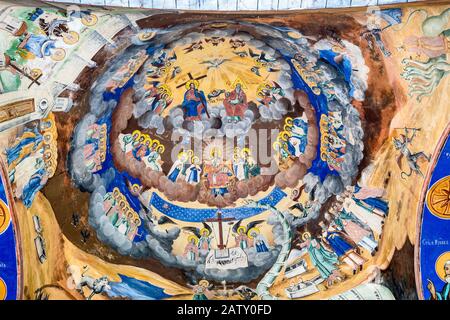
[[374, 221]]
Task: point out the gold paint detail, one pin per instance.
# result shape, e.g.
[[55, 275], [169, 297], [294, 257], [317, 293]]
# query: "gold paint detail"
[[438, 198]]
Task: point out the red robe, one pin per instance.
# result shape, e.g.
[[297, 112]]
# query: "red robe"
[[236, 110]]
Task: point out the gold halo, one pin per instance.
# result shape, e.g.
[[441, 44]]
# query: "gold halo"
[[289, 121], [242, 228], [35, 73], [204, 283], [283, 134], [213, 152], [294, 34], [249, 232], [160, 146], [337, 49], [245, 151], [276, 143], [306, 235], [71, 37], [195, 82], [3, 289], [239, 81], [145, 36], [5, 218], [287, 127], [148, 139], [140, 222], [317, 91], [59, 54], [439, 266], [136, 132], [181, 154], [194, 158], [89, 20], [204, 229], [193, 237]]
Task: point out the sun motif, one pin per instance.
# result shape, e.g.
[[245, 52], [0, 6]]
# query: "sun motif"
[[438, 198], [5, 217], [3, 289]]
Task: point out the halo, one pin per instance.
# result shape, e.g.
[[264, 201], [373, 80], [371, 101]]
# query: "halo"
[[3, 289], [261, 88], [195, 82], [58, 54], [245, 151], [195, 158], [203, 230], [71, 37], [136, 132], [145, 36], [161, 146], [48, 134], [214, 150], [148, 139], [337, 49], [287, 127], [317, 91], [89, 20], [283, 134], [294, 34], [440, 262], [249, 232], [242, 228], [239, 81], [164, 89], [5, 217], [181, 154], [192, 237], [289, 121], [203, 283], [306, 235], [135, 185], [276, 145]]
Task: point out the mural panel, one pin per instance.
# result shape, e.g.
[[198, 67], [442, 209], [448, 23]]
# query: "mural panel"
[[242, 156]]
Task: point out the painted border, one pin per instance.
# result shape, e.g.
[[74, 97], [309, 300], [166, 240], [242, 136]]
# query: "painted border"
[[420, 208], [15, 226]]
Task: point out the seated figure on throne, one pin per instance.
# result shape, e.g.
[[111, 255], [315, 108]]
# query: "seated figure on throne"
[[194, 103], [235, 103], [218, 174]]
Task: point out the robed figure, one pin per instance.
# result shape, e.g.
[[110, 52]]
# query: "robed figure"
[[194, 103], [235, 103]]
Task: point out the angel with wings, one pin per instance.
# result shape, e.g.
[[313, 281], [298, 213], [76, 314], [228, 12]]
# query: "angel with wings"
[[203, 235], [242, 233]]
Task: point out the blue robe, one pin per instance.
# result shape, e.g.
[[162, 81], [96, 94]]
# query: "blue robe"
[[193, 175], [377, 203], [174, 175], [444, 294], [190, 107], [13, 153], [339, 245], [40, 45], [32, 187]]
